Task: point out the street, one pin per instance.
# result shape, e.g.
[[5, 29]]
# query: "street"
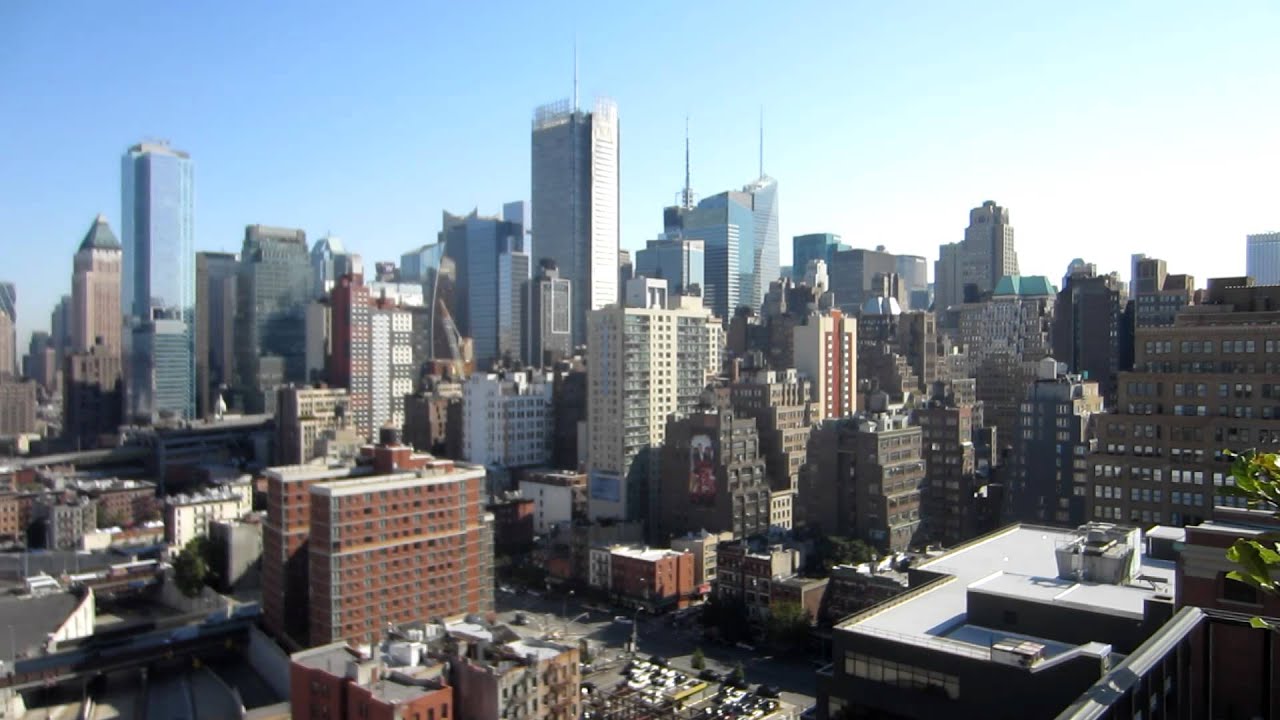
[[654, 636]]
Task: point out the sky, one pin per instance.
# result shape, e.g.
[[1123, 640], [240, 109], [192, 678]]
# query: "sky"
[[1106, 128]]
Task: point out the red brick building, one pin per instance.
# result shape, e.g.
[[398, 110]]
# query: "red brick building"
[[1243, 680], [654, 578], [124, 502], [333, 682]]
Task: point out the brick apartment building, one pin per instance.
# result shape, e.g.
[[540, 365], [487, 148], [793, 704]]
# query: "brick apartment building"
[[1205, 384], [655, 579], [334, 682], [351, 546]]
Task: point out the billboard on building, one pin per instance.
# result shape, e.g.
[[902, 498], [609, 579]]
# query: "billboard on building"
[[702, 470]]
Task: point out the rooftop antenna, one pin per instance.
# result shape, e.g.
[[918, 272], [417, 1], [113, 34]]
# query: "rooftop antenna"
[[686, 198], [575, 72], [762, 141]]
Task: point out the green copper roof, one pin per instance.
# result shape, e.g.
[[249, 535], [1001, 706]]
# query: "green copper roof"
[[1024, 285], [100, 236]]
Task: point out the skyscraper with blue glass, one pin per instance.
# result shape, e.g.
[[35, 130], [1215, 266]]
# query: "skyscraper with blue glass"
[[158, 297]]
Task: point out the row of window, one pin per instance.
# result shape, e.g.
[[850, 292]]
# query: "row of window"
[[900, 674]]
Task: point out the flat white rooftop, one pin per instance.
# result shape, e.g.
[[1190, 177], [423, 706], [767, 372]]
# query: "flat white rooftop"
[[1018, 562]]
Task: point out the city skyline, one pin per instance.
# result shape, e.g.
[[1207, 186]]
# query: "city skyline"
[[1089, 154]]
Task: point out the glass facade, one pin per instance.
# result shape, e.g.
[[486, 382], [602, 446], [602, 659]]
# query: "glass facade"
[[814, 246], [158, 199], [726, 225], [764, 245], [681, 262], [274, 287], [1262, 258]]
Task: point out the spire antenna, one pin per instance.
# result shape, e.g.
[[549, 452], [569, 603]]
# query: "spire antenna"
[[688, 188], [762, 141], [575, 71]]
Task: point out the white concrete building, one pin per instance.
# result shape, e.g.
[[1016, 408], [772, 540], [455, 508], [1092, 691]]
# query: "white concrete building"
[[600, 567], [647, 362], [554, 496], [391, 364], [506, 419], [187, 517]]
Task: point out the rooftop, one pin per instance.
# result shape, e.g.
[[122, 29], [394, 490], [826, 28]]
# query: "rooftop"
[[537, 650], [1019, 561], [647, 554], [1024, 285], [31, 618], [331, 658], [100, 236]]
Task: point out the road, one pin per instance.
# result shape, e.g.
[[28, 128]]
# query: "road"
[[657, 636]]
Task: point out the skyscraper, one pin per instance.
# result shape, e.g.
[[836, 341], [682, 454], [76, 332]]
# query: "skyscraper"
[[1088, 330], [550, 302], [475, 243], [8, 330], [814, 246], [158, 198], [1262, 258], [764, 248], [216, 275], [274, 285], [329, 261], [575, 213], [95, 290], [682, 262], [984, 256], [513, 320], [726, 225]]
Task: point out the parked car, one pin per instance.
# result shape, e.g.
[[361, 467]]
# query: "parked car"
[[658, 660], [768, 691], [710, 675]]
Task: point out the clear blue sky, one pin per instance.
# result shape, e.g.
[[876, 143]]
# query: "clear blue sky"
[[1107, 128]]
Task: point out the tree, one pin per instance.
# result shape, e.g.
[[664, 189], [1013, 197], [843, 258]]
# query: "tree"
[[699, 660], [1256, 478], [190, 570], [738, 675], [832, 550], [788, 626], [729, 617]]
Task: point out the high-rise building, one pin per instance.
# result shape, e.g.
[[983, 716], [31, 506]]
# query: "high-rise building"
[[40, 364], [914, 273], [814, 246], [825, 350], [680, 261], [476, 244], [273, 290], [431, 523], [1204, 385], [713, 477], [897, 351], [1050, 469], [626, 271], [95, 290], [216, 281], [575, 208], [550, 316], [158, 198], [1157, 295], [647, 361], [1088, 329], [949, 424], [330, 261], [782, 404], [725, 223], [972, 267], [865, 477], [1005, 337], [8, 330], [390, 364], [1262, 258], [763, 255], [92, 395], [18, 403], [853, 274], [513, 319], [60, 323], [350, 366], [507, 419], [303, 415]]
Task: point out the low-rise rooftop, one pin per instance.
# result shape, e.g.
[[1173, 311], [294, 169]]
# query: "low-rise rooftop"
[[1021, 561]]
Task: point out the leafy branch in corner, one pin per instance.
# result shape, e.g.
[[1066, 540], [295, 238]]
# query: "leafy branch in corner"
[[1256, 478]]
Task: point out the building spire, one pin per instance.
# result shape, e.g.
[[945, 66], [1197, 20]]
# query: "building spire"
[[762, 141], [688, 187], [575, 72]]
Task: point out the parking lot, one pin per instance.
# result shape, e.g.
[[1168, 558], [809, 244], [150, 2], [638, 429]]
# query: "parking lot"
[[658, 636]]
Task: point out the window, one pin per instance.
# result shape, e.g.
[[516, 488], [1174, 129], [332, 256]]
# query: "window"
[[1236, 591]]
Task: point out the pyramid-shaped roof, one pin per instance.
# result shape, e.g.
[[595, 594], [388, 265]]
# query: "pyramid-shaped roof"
[[100, 236]]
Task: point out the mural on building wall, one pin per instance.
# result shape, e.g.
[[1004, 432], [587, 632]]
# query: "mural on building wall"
[[702, 470]]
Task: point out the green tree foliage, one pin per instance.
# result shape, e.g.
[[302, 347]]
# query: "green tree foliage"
[[788, 627], [729, 617], [699, 660], [738, 675], [190, 569], [1256, 478], [832, 550]]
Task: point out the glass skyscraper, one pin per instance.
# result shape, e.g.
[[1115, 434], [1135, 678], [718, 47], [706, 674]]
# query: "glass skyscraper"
[[475, 243], [680, 261], [275, 283], [725, 223], [764, 246], [1262, 258], [814, 246], [158, 297], [575, 160]]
